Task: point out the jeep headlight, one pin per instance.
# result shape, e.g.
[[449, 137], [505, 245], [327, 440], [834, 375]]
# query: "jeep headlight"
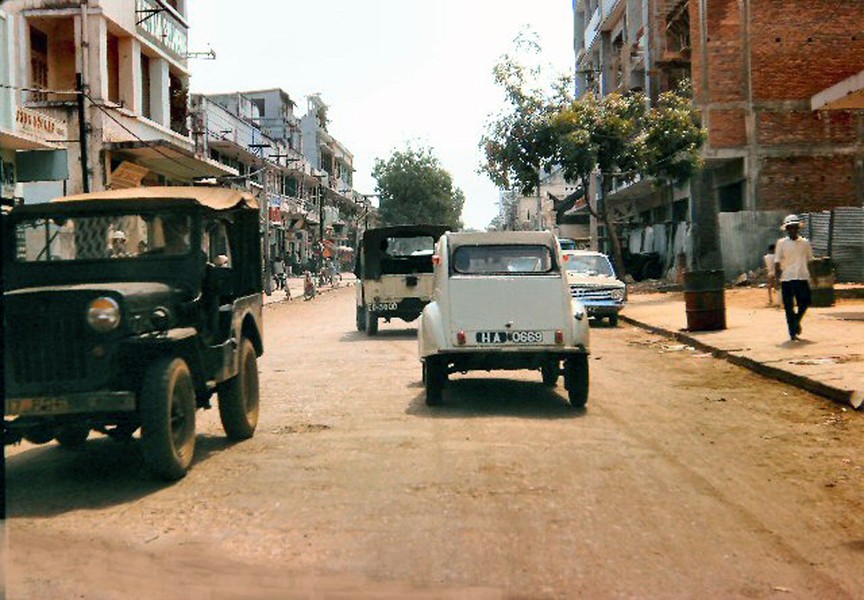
[[103, 314], [618, 295]]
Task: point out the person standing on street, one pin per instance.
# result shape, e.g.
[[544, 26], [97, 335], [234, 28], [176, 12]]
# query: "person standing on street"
[[768, 259], [792, 256]]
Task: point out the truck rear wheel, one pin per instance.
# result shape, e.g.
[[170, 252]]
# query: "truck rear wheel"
[[168, 418], [435, 378], [361, 318], [371, 323], [239, 396], [576, 380]]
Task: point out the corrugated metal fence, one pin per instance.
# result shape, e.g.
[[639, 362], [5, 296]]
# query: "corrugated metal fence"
[[839, 233]]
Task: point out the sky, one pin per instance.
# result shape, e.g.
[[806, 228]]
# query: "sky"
[[391, 71]]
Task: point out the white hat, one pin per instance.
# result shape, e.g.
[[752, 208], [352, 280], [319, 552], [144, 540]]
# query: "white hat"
[[790, 220], [118, 235]]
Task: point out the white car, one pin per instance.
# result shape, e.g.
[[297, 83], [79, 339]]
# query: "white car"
[[501, 300], [593, 282]]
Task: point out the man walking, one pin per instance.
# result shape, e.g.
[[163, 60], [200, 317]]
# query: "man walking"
[[792, 256]]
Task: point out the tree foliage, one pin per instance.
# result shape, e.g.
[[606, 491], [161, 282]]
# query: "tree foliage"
[[414, 189], [618, 137]]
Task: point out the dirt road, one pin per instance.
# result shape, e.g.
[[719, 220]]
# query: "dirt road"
[[685, 477]]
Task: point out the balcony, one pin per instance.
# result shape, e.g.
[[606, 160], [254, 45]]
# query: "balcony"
[[593, 29]]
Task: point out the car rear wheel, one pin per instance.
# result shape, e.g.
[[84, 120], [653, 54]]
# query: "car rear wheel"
[[371, 323], [550, 374], [239, 396], [168, 418], [613, 320], [72, 436], [435, 378], [576, 380], [361, 318]]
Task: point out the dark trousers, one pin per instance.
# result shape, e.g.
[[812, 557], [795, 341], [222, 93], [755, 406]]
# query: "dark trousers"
[[794, 292]]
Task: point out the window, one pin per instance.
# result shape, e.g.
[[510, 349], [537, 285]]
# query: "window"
[[145, 86], [491, 260], [38, 63]]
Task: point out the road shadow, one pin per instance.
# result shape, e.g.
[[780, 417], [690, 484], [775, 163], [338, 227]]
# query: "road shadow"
[[471, 398], [50, 480], [384, 334]]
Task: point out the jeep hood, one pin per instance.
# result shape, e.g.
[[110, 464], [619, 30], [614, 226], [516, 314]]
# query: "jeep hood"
[[134, 294]]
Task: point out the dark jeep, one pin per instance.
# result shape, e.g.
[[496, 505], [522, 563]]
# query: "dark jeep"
[[128, 309], [394, 273]]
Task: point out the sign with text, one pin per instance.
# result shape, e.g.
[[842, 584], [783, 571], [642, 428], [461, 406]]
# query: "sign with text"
[[161, 27], [39, 125]]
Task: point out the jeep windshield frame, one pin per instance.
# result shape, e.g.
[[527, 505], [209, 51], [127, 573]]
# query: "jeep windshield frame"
[[185, 271], [374, 260]]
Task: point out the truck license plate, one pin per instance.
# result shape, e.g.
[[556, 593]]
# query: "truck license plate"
[[384, 306], [512, 337]]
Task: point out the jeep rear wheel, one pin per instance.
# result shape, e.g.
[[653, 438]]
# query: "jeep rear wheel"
[[361, 318], [576, 380], [435, 378], [550, 373], [168, 418], [239, 396], [371, 323]]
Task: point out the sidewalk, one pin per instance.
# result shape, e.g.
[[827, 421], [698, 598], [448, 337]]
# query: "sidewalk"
[[828, 360], [295, 284]]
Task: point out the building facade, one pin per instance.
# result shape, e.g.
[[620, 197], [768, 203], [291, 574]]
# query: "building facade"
[[114, 74], [758, 71]]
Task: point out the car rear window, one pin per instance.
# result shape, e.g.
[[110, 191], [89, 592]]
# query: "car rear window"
[[484, 260]]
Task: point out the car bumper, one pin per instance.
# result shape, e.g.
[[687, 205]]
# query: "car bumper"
[[70, 404], [600, 308]]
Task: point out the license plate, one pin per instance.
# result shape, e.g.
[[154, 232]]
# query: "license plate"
[[383, 306], [36, 406], [509, 337]]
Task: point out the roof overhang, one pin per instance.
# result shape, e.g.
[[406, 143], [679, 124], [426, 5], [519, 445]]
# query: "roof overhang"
[[844, 95], [170, 159]]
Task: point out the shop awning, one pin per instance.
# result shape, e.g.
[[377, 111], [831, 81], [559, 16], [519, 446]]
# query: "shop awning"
[[170, 159], [844, 95], [16, 140]]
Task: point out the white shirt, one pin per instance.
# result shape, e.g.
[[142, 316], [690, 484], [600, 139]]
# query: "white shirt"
[[793, 256]]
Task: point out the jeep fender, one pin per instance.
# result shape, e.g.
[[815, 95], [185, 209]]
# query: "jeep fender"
[[431, 337]]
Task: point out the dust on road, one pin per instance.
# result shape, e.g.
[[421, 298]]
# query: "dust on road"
[[686, 476]]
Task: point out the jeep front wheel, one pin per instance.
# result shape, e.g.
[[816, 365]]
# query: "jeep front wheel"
[[72, 436], [239, 396], [168, 418], [576, 380]]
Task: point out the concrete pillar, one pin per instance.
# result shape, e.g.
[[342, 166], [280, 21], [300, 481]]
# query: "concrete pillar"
[[160, 93], [98, 56], [130, 73]]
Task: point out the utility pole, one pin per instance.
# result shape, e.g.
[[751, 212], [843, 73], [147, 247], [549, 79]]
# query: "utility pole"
[[82, 133]]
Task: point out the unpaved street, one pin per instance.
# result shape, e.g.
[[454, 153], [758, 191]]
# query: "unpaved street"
[[685, 477]]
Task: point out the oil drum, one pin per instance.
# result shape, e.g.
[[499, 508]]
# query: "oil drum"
[[705, 301]]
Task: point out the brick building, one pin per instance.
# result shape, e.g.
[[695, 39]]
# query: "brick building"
[[775, 81]]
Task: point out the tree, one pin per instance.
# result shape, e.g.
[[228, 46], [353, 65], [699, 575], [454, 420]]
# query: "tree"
[[414, 188], [519, 144]]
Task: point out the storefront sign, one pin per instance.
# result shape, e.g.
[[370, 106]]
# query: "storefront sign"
[[161, 27], [127, 175], [39, 125]]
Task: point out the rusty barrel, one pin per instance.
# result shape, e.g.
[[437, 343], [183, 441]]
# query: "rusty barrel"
[[705, 301], [822, 282]]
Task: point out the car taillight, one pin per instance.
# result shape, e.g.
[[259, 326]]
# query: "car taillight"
[[436, 259], [460, 338], [559, 336]]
